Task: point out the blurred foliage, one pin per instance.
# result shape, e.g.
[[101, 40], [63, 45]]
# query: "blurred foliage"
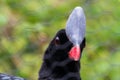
[[27, 26]]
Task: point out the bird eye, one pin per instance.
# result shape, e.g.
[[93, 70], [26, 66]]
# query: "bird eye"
[[57, 41]]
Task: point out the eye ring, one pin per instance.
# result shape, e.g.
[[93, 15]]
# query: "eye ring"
[[57, 41]]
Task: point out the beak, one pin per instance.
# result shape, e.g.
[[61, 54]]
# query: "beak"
[[75, 30], [75, 53]]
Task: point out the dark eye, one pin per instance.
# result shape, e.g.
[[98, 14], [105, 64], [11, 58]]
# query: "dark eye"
[[57, 41]]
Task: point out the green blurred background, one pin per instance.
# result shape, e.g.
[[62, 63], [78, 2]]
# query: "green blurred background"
[[27, 26]]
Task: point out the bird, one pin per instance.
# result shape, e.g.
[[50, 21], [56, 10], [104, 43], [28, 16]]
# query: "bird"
[[56, 62], [61, 60]]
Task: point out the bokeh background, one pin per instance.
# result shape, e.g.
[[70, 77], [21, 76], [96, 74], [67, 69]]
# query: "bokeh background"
[[27, 26]]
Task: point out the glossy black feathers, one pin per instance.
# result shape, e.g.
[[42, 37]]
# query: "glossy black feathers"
[[56, 63], [9, 77]]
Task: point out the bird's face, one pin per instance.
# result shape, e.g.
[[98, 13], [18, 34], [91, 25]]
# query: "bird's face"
[[60, 47]]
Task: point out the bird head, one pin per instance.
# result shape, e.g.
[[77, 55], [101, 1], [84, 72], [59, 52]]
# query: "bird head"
[[60, 47]]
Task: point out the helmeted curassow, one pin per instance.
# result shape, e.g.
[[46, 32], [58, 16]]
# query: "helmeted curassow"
[[62, 57], [56, 63]]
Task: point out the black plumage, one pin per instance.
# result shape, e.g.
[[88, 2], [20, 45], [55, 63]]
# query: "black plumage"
[[56, 63], [9, 77]]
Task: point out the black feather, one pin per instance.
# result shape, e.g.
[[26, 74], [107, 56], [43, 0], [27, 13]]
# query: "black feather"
[[9, 77], [56, 63]]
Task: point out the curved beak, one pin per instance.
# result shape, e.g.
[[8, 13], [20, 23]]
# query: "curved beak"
[[75, 53], [75, 30]]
